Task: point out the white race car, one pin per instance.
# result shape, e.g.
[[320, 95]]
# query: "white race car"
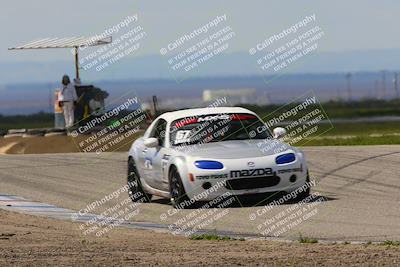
[[200, 154]]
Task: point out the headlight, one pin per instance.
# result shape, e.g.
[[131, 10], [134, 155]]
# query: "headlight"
[[285, 158], [209, 164]]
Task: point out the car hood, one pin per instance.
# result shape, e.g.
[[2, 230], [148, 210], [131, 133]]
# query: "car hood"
[[238, 149]]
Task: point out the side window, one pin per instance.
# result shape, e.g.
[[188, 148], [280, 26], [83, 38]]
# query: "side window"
[[159, 131], [149, 130]]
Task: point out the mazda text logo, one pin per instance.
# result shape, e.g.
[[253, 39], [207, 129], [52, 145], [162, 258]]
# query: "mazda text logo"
[[252, 173]]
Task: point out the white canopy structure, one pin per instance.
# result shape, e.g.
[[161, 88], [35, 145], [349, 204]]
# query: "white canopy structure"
[[70, 42]]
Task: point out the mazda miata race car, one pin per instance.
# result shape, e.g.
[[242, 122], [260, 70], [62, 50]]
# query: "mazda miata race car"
[[200, 154]]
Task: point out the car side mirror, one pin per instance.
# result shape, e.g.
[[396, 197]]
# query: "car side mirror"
[[279, 132], [151, 142]]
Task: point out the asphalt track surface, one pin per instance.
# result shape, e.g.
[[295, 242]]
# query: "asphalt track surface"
[[361, 185]]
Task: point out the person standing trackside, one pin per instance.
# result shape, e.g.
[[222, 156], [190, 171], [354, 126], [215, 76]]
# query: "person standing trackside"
[[68, 99]]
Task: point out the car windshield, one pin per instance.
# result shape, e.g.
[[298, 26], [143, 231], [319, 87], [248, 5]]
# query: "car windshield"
[[217, 128]]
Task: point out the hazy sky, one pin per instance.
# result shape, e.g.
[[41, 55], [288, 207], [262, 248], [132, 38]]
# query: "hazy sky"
[[348, 25]]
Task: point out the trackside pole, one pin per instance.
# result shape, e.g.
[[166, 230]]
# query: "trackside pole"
[[76, 64]]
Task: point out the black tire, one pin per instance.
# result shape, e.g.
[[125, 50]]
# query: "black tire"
[[135, 191], [177, 191], [304, 194]]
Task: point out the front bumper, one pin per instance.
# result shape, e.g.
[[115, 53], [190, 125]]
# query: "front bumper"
[[210, 184]]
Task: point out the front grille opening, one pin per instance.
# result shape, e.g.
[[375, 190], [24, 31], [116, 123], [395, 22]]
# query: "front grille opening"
[[252, 183]]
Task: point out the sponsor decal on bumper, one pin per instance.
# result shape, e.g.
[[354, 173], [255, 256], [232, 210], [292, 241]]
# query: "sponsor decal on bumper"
[[212, 176], [300, 169]]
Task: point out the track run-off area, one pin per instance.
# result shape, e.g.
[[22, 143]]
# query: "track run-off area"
[[360, 186]]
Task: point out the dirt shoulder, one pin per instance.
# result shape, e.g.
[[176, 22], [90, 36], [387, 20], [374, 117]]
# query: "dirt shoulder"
[[46, 144], [28, 240]]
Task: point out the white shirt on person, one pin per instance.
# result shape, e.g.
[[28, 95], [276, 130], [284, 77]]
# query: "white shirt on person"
[[68, 93]]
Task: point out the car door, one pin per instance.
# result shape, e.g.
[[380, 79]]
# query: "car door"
[[143, 164], [154, 157]]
